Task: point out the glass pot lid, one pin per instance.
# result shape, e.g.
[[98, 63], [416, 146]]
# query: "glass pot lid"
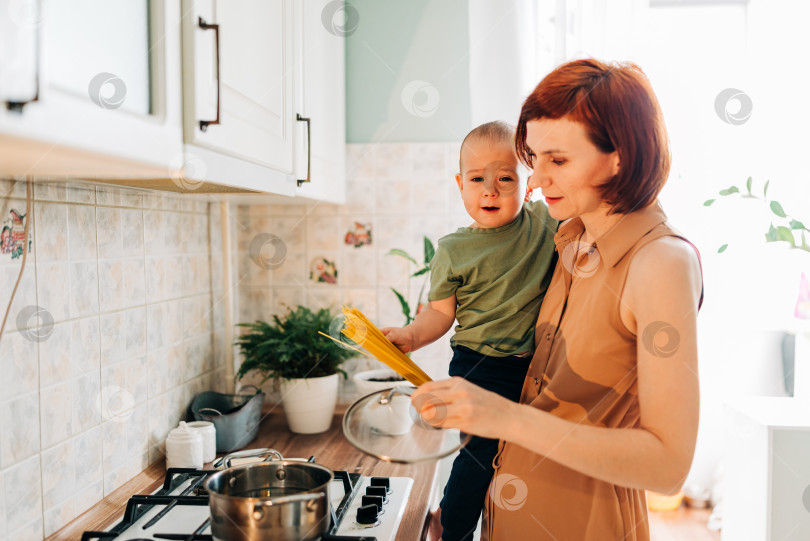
[[385, 425]]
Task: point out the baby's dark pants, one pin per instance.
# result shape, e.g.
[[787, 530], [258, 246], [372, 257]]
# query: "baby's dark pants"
[[472, 469]]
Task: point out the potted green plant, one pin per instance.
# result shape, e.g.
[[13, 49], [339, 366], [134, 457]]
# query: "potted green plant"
[[305, 364]]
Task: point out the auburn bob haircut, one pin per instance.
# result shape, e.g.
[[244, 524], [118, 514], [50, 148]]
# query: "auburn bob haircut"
[[619, 110]]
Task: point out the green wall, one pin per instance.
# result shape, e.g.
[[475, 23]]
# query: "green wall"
[[407, 74]]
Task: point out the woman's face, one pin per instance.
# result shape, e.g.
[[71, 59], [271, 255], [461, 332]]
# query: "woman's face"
[[568, 168]]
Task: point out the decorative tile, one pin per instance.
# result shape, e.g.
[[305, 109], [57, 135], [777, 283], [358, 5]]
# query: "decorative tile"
[[87, 498], [111, 284], [175, 275], [360, 162], [58, 516], [153, 224], [20, 421], [359, 232], [392, 231], [359, 269], [56, 405], [431, 196], [58, 474], [360, 197], [113, 338], [114, 446], [87, 453], [86, 394], [110, 238], [392, 161], [428, 161], [19, 364], [137, 378], [323, 270], [51, 239], [393, 270], [393, 196], [288, 298], [323, 233], [134, 293], [81, 194], [114, 479], [13, 219], [132, 232], [135, 332], [53, 291], [82, 232], [83, 288], [32, 530], [108, 195], [158, 371], [292, 272], [26, 294], [137, 439], [364, 299], [46, 191], [155, 279], [23, 492]]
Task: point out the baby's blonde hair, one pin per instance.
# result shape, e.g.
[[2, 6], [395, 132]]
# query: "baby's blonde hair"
[[496, 131]]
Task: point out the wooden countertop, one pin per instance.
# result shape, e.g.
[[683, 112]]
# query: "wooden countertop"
[[330, 448]]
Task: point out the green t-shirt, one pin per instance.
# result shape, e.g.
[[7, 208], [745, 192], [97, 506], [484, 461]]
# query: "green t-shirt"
[[499, 277]]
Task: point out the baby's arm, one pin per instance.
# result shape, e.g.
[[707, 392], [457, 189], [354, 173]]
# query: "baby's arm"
[[432, 322]]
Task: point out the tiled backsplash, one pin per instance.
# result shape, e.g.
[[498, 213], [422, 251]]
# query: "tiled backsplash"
[[403, 191], [128, 331], [130, 323]]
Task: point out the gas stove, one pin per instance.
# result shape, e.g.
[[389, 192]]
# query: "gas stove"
[[362, 508]]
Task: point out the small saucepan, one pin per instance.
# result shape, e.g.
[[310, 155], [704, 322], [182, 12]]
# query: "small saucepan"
[[280, 500]]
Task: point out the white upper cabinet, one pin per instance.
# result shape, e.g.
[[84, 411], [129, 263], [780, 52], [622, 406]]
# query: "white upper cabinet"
[[321, 27], [238, 90], [90, 88]]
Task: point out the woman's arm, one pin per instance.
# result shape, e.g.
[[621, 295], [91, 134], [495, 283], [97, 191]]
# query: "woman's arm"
[[430, 324], [662, 293]]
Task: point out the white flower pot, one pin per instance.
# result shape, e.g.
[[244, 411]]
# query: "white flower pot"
[[364, 385], [309, 403]]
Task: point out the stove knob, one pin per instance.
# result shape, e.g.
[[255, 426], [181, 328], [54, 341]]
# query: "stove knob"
[[376, 500], [381, 482], [377, 491], [367, 514]]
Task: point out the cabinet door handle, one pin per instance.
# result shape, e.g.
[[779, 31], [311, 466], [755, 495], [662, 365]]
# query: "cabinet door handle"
[[17, 106], [299, 118], [215, 27]]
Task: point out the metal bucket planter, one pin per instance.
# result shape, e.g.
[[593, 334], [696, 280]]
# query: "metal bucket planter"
[[236, 417]]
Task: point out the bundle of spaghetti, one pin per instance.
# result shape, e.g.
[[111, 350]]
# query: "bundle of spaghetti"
[[364, 333]]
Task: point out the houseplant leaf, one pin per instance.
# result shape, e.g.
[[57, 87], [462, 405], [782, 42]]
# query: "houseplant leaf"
[[729, 191], [406, 308], [402, 253], [776, 208], [722, 249], [430, 251]]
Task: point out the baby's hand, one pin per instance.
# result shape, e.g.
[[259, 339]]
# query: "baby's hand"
[[402, 337]]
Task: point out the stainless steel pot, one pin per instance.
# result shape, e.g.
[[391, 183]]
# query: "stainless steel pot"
[[282, 500]]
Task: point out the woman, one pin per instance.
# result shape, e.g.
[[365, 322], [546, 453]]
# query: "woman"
[[609, 407]]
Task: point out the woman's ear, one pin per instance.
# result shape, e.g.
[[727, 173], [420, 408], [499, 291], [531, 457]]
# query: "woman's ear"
[[615, 163]]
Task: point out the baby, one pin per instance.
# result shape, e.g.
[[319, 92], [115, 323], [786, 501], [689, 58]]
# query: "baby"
[[491, 277]]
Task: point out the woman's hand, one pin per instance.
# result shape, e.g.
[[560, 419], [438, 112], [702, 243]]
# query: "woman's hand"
[[402, 337], [457, 403]]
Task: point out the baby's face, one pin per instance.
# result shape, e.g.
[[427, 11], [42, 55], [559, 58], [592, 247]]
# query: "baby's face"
[[489, 184]]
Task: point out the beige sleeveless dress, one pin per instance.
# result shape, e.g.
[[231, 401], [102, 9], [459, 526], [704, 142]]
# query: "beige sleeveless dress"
[[583, 370]]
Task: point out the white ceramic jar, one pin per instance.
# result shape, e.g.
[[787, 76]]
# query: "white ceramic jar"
[[184, 447], [209, 437]]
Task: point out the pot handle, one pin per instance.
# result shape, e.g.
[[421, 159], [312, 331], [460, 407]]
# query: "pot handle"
[[242, 390], [292, 498], [272, 454], [217, 412]]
